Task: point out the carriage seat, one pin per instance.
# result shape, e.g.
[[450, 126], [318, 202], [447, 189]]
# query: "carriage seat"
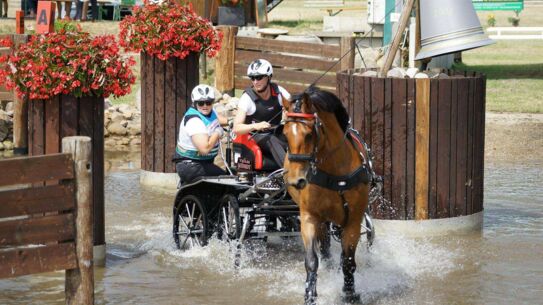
[[246, 147]]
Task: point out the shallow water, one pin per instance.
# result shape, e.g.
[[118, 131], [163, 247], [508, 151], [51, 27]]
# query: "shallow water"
[[502, 264]]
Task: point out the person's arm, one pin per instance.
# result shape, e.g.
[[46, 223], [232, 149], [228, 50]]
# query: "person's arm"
[[222, 119], [205, 143], [241, 128]]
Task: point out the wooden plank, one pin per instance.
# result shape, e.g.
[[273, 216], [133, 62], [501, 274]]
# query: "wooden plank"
[[29, 201], [469, 147], [240, 83], [293, 76], [158, 134], [399, 147], [38, 124], [344, 89], [461, 150], [52, 128], [443, 149], [453, 147], [346, 49], [410, 157], [30, 131], [38, 230], [422, 147], [300, 61], [224, 62], [387, 143], [481, 85], [97, 160], [357, 103], [170, 135], [367, 110], [36, 169], [432, 154], [377, 133], [68, 116], [272, 45], [54, 257], [180, 91], [148, 98]]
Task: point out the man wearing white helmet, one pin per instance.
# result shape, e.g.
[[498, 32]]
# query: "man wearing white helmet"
[[260, 108], [199, 134]]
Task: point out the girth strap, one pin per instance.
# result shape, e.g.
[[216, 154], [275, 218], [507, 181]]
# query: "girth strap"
[[339, 183]]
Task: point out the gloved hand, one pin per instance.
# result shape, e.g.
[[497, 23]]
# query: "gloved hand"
[[218, 129]]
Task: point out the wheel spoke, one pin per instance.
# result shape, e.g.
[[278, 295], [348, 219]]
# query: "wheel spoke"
[[225, 222], [185, 241], [184, 223], [190, 214]]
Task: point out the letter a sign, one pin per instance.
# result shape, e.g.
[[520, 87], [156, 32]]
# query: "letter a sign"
[[45, 17]]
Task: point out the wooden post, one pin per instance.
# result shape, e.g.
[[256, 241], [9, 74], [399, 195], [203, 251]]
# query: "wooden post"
[[422, 147], [224, 63], [19, 22], [346, 45], [404, 17], [20, 111], [80, 282]]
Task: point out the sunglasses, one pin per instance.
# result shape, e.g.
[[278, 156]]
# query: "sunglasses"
[[202, 103], [258, 77]]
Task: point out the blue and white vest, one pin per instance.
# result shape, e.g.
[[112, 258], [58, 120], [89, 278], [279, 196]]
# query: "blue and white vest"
[[185, 148]]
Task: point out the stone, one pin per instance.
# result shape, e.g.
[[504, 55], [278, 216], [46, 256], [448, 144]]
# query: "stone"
[[8, 145], [106, 132], [135, 141], [397, 73], [124, 123], [107, 103], [124, 108], [138, 100], [116, 117], [421, 75], [5, 116], [116, 128], [110, 142], [123, 141], [4, 130], [134, 129], [128, 115], [1, 146], [9, 107], [411, 72], [370, 73]]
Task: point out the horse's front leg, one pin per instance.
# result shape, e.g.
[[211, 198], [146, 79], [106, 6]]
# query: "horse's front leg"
[[349, 241], [309, 235]]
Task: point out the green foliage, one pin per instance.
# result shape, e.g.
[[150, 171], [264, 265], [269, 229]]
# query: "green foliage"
[[491, 20], [67, 26]]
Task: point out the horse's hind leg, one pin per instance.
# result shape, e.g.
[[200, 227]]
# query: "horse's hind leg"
[[349, 241], [309, 235]]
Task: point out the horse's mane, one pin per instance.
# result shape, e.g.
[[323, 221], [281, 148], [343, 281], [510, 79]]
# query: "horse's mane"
[[327, 101]]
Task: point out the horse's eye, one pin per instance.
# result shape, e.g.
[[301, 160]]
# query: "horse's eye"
[[308, 137]]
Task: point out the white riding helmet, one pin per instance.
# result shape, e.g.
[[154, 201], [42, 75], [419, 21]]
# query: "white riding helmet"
[[260, 67], [202, 93]]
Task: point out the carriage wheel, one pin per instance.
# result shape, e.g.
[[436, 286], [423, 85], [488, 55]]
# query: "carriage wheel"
[[368, 229], [190, 223], [229, 221]]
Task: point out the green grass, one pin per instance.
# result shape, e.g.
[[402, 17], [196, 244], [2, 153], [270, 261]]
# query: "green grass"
[[514, 71], [297, 26]]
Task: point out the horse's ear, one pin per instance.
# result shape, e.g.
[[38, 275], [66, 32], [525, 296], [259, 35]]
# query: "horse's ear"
[[286, 103], [307, 105]]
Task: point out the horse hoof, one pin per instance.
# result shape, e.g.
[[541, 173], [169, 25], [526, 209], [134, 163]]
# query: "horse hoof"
[[351, 298]]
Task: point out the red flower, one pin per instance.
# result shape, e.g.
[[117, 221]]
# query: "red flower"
[[168, 29], [67, 63]]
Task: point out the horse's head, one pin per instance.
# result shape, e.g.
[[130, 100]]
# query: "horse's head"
[[302, 132]]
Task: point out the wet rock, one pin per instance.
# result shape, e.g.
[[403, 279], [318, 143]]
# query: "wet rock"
[[116, 128]]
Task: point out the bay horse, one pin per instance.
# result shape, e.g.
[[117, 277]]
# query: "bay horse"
[[328, 178]]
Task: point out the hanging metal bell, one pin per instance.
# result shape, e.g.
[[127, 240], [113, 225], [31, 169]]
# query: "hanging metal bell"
[[449, 26]]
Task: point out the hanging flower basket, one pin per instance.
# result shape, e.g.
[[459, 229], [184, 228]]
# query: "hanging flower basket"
[[168, 29], [67, 63]]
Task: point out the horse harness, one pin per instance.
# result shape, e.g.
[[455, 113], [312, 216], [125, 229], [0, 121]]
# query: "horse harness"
[[363, 174]]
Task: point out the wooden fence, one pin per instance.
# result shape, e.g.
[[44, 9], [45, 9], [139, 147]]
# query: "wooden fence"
[[165, 96], [427, 137], [48, 227], [296, 65]]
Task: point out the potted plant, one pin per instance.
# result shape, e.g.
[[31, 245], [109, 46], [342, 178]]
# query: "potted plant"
[[170, 37], [65, 76], [231, 12]]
